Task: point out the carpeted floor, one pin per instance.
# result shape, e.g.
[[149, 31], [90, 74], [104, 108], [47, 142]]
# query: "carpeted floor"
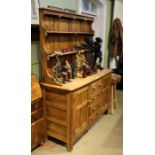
[[104, 138]]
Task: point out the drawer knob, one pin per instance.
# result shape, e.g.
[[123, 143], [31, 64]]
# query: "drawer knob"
[[100, 84], [94, 109], [94, 88], [89, 101]]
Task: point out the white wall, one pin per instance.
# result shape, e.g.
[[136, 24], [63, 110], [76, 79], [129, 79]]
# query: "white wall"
[[99, 23], [118, 10]]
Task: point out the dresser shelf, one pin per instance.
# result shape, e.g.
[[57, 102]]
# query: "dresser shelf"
[[63, 32], [68, 53]]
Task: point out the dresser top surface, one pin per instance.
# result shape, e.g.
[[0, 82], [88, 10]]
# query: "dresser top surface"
[[78, 82]]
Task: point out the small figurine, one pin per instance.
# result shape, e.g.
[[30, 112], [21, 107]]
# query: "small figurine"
[[64, 76], [78, 45], [74, 67], [78, 62], [85, 69], [84, 66], [57, 68], [66, 72], [97, 51]]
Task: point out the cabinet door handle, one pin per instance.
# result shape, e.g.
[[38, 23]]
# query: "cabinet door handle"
[[99, 84], [94, 109], [94, 88], [89, 101]]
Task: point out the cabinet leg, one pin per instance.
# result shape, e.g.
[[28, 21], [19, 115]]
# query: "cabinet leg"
[[106, 112], [115, 104], [69, 147], [111, 103], [115, 97], [42, 143], [44, 140]]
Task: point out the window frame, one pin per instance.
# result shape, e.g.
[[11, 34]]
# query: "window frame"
[[90, 7]]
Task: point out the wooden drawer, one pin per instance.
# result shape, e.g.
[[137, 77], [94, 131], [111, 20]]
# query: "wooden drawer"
[[94, 89], [56, 115], [100, 87], [106, 81], [93, 99], [93, 109], [94, 116], [96, 92], [99, 104], [35, 115], [58, 101], [36, 105], [56, 128]]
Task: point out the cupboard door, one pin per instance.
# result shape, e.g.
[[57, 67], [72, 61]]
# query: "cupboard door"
[[81, 108]]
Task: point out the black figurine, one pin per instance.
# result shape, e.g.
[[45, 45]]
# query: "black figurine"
[[89, 44], [97, 52]]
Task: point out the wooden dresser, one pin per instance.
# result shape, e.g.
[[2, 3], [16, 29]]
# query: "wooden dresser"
[[71, 109], [37, 118]]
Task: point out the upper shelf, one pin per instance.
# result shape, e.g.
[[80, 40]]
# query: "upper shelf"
[[64, 32], [75, 16], [68, 53]]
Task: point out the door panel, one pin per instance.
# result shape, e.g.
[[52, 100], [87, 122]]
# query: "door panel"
[[80, 111]]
